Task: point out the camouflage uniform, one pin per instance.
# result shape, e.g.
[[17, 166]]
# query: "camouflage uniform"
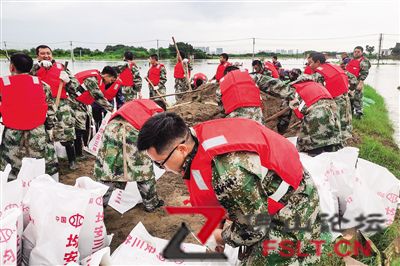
[[161, 85], [254, 113], [242, 189], [181, 85], [131, 92], [343, 107], [273, 86], [357, 103], [320, 126], [64, 128], [34, 143], [109, 165]]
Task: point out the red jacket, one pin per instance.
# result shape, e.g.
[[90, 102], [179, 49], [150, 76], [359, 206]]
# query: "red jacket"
[[223, 136], [85, 97], [23, 102], [137, 112], [239, 90], [126, 76], [179, 71], [52, 77], [308, 70], [220, 70], [199, 76]]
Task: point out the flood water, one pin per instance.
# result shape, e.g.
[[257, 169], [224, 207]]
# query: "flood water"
[[385, 78]]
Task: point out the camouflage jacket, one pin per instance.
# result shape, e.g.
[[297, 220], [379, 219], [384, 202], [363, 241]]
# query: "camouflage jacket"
[[365, 65], [137, 79]]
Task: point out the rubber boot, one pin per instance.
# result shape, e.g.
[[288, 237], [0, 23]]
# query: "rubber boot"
[[78, 143], [69, 147]]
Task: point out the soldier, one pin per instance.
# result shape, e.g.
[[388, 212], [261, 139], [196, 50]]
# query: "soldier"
[[320, 127], [269, 69], [222, 167], [182, 75], [157, 74], [27, 110], [198, 80], [276, 63], [359, 66], [131, 82], [353, 82], [223, 63], [337, 83], [91, 90], [53, 73], [345, 58], [119, 161], [239, 95]]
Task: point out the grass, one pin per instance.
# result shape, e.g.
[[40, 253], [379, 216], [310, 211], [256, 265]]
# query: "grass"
[[374, 134]]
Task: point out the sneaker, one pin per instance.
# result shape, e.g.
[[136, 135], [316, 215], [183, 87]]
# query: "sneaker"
[[160, 204]]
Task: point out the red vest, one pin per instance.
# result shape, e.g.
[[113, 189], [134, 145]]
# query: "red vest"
[[220, 70], [198, 76], [310, 92], [23, 102], [154, 74], [112, 91], [336, 80], [238, 90], [354, 66], [222, 136], [86, 97], [179, 72], [268, 65], [308, 70], [137, 112], [126, 76], [52, 77]]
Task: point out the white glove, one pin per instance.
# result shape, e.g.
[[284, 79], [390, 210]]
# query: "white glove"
[[50, 134], [185, 60], [156, 88], [293, 104], [64, 77], [45, 63], [213, 81]]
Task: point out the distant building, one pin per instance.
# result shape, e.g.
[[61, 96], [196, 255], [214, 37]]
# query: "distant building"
[[203, 49], [219, 51], [386, 52], [290, 52]]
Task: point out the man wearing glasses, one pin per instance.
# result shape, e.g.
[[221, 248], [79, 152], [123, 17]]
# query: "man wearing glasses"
[[244, 167], [119, 161]]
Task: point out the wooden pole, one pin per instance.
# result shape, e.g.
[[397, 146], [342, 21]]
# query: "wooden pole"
[[159, 94], [60, 88], [180, 58], [173, 94], [278, 114]]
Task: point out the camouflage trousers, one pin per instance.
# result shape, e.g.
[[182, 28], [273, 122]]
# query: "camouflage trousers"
[[298, 222], [344, 108], [147, 190], [320, 127], [356, 100], [161, 89], [34, 143], [254, 113], [64, 129], [129, 93], [82, 113], [284, 120], [181, 85]]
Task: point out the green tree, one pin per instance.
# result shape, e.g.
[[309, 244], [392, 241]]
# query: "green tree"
[[370, 49]]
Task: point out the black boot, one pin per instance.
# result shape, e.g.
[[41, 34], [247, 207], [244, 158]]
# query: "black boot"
[[78, 142], [69, 147]]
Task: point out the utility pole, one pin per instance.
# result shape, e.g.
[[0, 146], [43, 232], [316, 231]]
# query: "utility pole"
[[158, 51], [380, 46], [254, 44], [80, 54], [72, 52]]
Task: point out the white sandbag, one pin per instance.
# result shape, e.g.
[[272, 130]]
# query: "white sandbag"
[[101, 257], [158, 172], [60, 150], [95, 143], [30, 169], [1, 132], [141, 248], [375, 196], [124, 200], [11, 199], [93, 233], [57, 215], [9, 237]]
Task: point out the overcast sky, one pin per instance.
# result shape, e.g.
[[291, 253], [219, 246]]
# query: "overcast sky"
[[291, 24]]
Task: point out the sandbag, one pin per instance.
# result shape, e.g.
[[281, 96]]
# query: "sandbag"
[[9, 237]]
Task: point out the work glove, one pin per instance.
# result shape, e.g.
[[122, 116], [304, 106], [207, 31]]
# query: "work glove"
[[156, 88], [45, 63], [64, 76], [293, 104], [213, 81], [360, 85], [185, 60], [50, 134]]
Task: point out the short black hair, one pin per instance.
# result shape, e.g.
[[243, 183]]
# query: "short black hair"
[[42, 46], [22, 62], [161, 131], [199, 82], [256, 63], [161, 103], [182, 53], [225, 56], [275, 57], [154, 56], [128, 55], [360, 48], [110, 71], [294, 74], [318, 57], [229, 69]]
